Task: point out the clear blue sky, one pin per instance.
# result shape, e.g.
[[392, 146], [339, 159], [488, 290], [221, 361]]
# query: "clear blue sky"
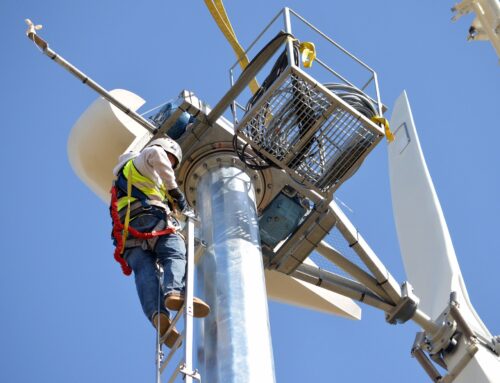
[[68, 314]]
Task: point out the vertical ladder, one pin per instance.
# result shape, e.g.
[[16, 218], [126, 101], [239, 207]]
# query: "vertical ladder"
[[185, 367]]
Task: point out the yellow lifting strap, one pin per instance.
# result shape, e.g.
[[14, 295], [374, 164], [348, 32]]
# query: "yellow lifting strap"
[[218, 12], [308, 52], [382, 120]]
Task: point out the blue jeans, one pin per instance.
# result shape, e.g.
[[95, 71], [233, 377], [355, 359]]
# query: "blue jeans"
[[170, 251]]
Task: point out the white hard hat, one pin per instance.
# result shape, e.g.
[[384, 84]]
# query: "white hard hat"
[[170, 146]]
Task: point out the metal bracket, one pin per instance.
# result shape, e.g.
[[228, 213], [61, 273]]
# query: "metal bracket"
[[193, 374], [423, 359], [200, 246], [445, 337], [405, 308], [496, 344], [453, 334]]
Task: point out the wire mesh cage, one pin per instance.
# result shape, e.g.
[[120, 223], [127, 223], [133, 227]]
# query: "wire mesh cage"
[[304, 128]]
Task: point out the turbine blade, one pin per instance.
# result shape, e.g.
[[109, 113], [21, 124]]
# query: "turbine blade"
[[425, 243]]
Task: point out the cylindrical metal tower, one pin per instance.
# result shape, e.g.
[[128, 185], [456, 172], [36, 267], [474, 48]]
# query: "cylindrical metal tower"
[[236, 341]]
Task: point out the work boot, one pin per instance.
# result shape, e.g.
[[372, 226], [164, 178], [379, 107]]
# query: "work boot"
[[174, 301], [164, 326]]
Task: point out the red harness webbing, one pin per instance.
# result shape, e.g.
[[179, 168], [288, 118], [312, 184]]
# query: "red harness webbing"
[[118, 233]]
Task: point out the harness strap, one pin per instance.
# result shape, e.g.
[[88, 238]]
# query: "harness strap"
[[119, 233], [135, 207], [127, 215], [139, 206], [130, 192]]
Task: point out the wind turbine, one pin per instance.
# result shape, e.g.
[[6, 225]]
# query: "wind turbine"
[[317, 162]]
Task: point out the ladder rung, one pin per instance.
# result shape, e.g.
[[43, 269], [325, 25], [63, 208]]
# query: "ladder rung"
[[174, 322], [181, 368], [193, 374], [172, 352]]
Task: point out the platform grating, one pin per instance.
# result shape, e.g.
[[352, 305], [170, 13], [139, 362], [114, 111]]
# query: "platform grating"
[[304, 129]]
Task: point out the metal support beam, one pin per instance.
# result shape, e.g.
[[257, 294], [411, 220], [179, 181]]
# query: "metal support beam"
[[351, 268], [188, 312], [44, 46], [247, 76], [340, 285], [236, 344], [366, 254], [424, 360], [351, 289], [421, 318], [288, 29]]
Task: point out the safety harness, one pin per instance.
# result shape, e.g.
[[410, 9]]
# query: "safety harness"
[[135, 205]]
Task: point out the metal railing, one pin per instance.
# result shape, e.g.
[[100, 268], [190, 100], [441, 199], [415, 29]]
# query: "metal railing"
[[305, 124], [285, 20]]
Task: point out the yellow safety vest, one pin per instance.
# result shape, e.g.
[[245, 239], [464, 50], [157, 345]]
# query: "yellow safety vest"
[[152, 190]]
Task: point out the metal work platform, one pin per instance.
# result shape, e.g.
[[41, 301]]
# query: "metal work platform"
[[303, 118], [308, 131]]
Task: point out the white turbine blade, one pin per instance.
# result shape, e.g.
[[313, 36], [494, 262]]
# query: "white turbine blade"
[[483, 368], [100, 135], [428, 255]]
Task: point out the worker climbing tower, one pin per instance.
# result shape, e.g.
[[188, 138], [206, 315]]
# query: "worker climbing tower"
[[261, 168]]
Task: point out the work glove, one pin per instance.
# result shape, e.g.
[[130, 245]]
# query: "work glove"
[[179, 198]]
